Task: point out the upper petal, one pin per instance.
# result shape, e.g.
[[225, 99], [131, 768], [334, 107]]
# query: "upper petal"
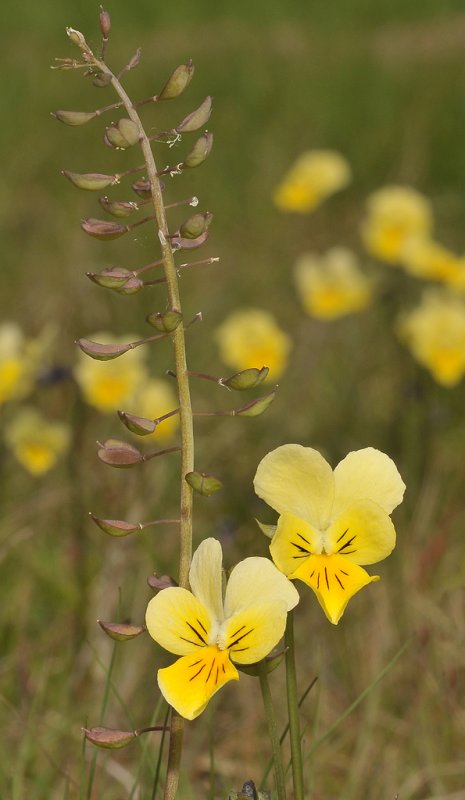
[[367, 475], [255, 581], [178, 621], [191, 682], [205, 576], [363, 534], [297, 480], [251, 634]]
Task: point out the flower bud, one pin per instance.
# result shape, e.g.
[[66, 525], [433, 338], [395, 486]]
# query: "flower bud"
[[102, 352], [111, 278], [77, 38], [256, 407], [74, 117], [159, 582], [249, 792], [177, 82], [180, 243], [103, 229], [118, 208], [193, 227], [121, 632], [119, 454], [109, 738], [196, 119], [138, 425], [92, 181], [247, 379], [202, 483], [105, 22], [115, 527], [200, 151], [122, 135], [165, 322]]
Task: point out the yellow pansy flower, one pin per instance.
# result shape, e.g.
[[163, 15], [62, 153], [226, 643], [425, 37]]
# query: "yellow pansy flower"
[[435, 335], [312, 178], [395, 215], [332, 285], [210, 632], [36, 442], [251, 338], [111, 385], [427, 259], [155, 399], [18, 363], [331, 522]]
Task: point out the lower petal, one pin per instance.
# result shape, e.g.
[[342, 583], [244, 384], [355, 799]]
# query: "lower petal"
[[192, 680], [334, 579]]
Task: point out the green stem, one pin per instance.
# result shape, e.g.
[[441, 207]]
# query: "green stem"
[[185, 408], [272, 732], [293, 710]]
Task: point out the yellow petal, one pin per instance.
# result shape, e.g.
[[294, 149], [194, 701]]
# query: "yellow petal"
[[364, 534], [297, 480], [251, 634], [367, 475], [334, 579], [293, 542], [178, 621], [192, 680], [205, 576], [255, 581]]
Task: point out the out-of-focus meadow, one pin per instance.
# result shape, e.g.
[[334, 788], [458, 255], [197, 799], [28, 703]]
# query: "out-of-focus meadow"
[[383, 84]]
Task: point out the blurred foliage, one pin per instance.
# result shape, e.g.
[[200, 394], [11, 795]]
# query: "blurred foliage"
[[383, 84]]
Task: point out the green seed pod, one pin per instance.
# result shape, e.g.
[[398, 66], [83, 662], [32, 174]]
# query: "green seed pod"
[[138, 425], [130, 131], [196, 225], [122, 135], [121, 632], [74, 117], [109, 738], [91, 181], [200, 151], [132, 286], [142, 188], [196, 119], [118, 208], [103, 229], [102, 352], [115, 527], [177, 82], [111, 278], [202, 483], [256, 407], [101, 79], [119, 454], [165, 322], [247, 379]]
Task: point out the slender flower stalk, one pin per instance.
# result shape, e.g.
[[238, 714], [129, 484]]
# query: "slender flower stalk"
[[293, 710], [272, 732]]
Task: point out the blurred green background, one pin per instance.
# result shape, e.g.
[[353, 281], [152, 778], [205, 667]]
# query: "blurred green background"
[[384, 84]]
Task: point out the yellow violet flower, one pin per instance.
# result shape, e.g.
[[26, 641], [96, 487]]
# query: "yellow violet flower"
[[210, 632], [435, 334], [312, 178], [18, 363], [251, 338], [111, 385], [331, 522], [332, 285], [37, 442], [155, 399], [396, 214], [427, 259]]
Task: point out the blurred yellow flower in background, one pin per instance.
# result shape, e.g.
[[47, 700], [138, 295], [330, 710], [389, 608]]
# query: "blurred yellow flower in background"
[[251, 338], [157, 397], [312, 178], [396, 214], [430, 260], [36, 442], [18, 362], [332, 285], [435, 334], [111, 385]]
